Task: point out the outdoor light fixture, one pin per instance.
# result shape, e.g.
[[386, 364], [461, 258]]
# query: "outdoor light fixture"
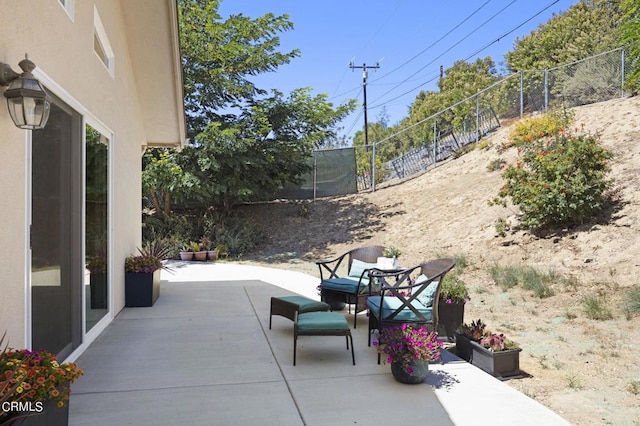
[[26, 98]]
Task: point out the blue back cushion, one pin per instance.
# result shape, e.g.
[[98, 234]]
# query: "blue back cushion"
[[429, 293], [358, 267]]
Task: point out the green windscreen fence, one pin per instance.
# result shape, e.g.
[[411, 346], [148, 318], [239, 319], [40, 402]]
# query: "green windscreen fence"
[[333, 173]]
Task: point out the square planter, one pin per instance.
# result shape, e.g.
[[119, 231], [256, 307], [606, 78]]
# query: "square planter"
[[498, 364], [141, 289], [450, 317], [463, 347], [98, 289]]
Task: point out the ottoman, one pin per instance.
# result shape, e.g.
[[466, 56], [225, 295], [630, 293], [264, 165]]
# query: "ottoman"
[[288, 306]]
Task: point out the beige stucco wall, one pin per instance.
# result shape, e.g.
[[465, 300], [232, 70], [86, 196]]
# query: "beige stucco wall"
[[63, 51]]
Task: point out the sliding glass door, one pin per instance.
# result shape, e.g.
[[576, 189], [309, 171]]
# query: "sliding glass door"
[[56, 232]]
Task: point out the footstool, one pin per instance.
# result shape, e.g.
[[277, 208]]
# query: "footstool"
[[288, 306], [321, 324]]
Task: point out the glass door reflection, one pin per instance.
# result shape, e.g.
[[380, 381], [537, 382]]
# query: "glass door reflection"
[[96, 226]]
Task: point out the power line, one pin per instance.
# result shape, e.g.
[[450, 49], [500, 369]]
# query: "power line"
[[435, 42], [475, 53], [451, 47]]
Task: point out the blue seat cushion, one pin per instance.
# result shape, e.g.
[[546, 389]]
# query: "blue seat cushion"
[[393, 303], [322, 321], [305, 304], [346, 285]]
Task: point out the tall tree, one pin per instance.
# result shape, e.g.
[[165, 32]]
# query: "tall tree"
[[629, 36], [586, 28], [220, 56]]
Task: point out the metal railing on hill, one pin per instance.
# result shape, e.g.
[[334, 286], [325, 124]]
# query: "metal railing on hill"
[[437, 137]]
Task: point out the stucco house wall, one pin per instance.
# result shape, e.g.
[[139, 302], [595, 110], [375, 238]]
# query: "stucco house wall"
[[62, 47]]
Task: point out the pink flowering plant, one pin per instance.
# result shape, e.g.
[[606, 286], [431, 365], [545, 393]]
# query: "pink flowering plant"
[[405, 343], [142, 264], [149, 258], [498, 342]]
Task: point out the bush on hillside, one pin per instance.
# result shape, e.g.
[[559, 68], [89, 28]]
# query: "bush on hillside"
[[559, 180], [539, 126]]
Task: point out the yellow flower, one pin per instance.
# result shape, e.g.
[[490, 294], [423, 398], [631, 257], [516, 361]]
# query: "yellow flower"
[[55, 364], [60, 404], [19, 389]]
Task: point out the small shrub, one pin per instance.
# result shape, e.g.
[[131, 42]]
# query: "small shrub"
[[502, 226], [497, 164], [632, 302], [560, 180], [596, 309], [527, 277], [505, 277], [634, 387]]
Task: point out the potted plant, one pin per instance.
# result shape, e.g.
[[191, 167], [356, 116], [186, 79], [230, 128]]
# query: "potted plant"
[[97, 266], [389, 259], [496, 355], [185, 252], [454, 294], [208, 246], [408, 349], [142, 275], [34, 387], [466, 333], [198, 252], [491, 352]]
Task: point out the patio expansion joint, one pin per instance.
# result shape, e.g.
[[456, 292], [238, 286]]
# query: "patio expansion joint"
[[173, 387], [284, 378]]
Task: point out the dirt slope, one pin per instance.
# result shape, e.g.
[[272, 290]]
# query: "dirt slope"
[[583, 369]]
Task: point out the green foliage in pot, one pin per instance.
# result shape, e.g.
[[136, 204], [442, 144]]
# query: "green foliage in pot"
[[392, 251], [454, 290]]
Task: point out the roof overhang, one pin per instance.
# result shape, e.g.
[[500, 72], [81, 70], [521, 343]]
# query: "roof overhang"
[[154, 44]]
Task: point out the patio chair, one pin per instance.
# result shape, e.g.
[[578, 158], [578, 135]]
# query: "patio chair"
[[408, 296], [353, 288]]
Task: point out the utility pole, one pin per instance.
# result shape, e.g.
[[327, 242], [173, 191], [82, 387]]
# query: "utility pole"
[[364, 69]]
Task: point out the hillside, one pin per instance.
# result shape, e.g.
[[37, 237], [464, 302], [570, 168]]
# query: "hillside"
[[583, 369]]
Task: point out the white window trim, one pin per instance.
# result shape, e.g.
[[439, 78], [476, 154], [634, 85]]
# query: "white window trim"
[[101, 34], [69, 8]]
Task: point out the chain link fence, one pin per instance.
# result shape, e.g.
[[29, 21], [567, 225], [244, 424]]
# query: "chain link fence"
[[420, 146]]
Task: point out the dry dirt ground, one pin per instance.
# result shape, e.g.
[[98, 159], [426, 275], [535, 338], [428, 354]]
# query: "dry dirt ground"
[[586, 370]]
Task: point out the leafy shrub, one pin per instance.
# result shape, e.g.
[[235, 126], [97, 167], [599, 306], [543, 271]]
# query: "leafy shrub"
[[560, 180]]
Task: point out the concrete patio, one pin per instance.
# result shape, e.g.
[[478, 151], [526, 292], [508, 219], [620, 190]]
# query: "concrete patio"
[[204, 355]]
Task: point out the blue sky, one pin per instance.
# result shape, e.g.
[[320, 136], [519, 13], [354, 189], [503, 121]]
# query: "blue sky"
[[409, 39]]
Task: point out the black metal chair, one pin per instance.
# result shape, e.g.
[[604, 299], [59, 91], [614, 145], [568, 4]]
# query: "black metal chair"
[[408, 296], [352, 289]]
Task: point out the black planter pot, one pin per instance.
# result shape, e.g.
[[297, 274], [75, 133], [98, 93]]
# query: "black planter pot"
[[141, 289], [450, 317], [98, 288], [50, 415], [500, 364], [463, 347]]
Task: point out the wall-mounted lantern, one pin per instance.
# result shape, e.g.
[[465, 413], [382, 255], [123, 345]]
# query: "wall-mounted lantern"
[[26, 98]]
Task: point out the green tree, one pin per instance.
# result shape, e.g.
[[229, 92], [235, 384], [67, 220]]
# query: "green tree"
[[629, 36], [268, 145], [220, 56], [586, 28]]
